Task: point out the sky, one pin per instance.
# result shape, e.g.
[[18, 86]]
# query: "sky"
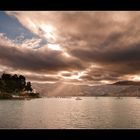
[[81, 47]]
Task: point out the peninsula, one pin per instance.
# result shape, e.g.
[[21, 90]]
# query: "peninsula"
[[16, 87]]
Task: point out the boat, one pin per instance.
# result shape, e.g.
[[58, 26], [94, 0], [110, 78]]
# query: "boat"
[[78, 98]]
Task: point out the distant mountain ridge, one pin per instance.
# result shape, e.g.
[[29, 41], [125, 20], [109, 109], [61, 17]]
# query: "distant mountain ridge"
[[85, 90], [127, 83], [120, 88]]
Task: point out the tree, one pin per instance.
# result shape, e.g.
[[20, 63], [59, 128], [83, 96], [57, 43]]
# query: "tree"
[[1, 85], [28, 87], [14, 83], [22, 82], [6, 79]]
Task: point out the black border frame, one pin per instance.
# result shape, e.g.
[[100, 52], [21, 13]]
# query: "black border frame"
[[71, 5]]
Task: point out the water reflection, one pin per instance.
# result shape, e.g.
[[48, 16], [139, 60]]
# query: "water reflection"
[[104, 112], [11, 113]]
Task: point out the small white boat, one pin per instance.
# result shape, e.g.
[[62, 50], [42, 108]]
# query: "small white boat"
[[78, 98]]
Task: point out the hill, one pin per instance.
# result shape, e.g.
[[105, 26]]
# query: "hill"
[[127, 83], [62, 89]]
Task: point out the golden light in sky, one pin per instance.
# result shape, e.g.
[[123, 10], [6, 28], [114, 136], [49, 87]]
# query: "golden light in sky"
[[49, 31], [54, 47], [66, 54], [73, 76], [57, 47], [105, 82], [136, 78]]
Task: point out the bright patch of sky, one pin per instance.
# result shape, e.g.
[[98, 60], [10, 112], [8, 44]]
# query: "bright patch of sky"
[[12, 29]]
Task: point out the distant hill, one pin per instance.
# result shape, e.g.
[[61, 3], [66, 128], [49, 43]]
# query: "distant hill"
[[61, 89], [134, 83]]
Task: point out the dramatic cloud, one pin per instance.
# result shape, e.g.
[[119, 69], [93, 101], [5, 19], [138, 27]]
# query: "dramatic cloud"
[[42, 61], [98, 46], [43, 78]]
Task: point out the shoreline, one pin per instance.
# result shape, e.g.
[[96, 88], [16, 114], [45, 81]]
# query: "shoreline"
[[19, 96], [29, 97], [24, 98]]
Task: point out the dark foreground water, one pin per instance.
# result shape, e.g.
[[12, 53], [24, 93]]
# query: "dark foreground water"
[[90, 112]]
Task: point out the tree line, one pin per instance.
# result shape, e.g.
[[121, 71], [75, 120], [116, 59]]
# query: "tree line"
[[14, 83]]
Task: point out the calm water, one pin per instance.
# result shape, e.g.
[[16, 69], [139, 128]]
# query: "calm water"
[[103, 112]]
